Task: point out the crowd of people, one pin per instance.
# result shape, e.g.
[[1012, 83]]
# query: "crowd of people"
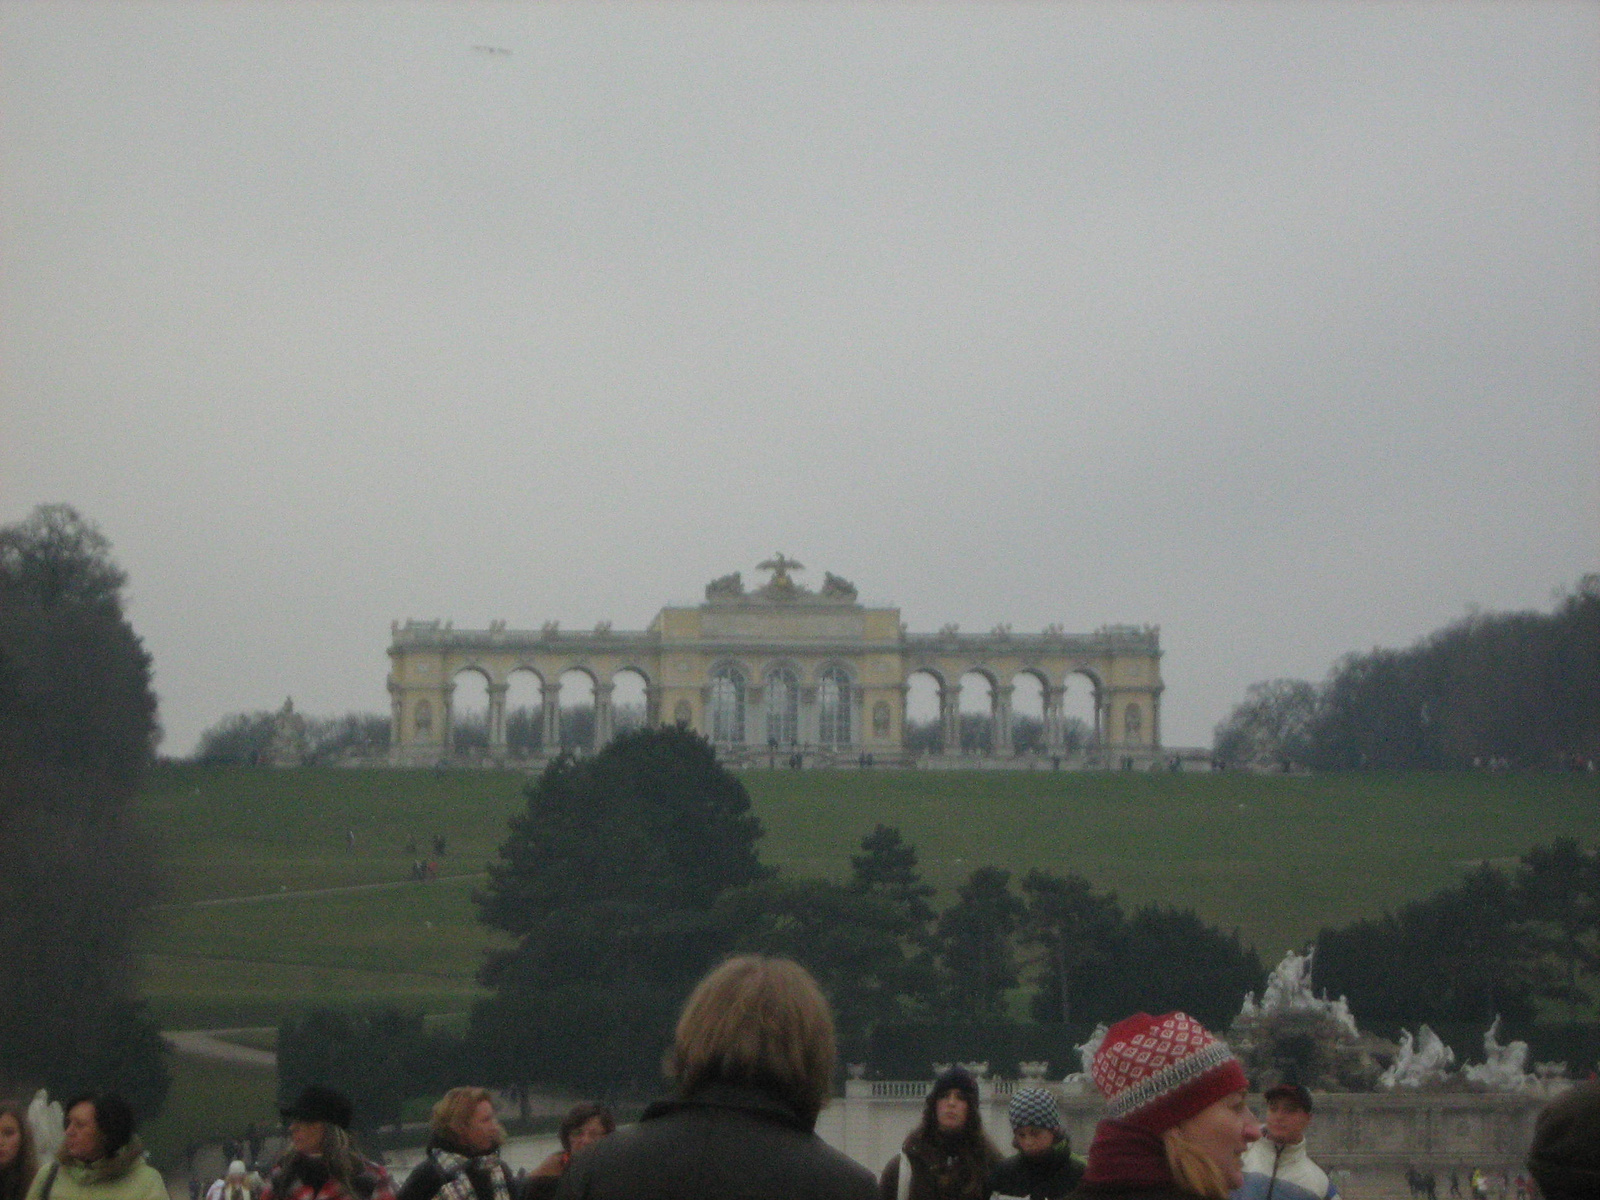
[[752, 1061]]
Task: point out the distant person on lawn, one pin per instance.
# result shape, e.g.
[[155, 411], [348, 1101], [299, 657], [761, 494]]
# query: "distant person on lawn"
[[101, 1158], [463, 1157], [321, 1162]]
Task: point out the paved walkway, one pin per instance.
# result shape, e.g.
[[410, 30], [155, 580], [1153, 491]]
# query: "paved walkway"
[[204, 1043], [269, 897]]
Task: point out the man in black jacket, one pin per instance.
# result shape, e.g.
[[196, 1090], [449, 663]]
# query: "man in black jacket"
[[753, 1058], [1043, 1167]]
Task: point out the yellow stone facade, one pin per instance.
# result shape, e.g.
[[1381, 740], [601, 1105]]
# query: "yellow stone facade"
[[780, 668]]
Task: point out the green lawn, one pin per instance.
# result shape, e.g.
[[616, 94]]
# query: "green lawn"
[[209, 1101], [1276, 857]]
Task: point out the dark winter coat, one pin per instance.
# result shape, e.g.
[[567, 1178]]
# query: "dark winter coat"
[[1049, 1177], [722, 1142], [955, 1168]]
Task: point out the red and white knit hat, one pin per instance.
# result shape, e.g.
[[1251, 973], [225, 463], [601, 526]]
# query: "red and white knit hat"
[[1157, 1071]]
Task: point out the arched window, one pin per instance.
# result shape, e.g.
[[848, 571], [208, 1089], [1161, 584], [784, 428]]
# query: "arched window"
[[1133, 722], [833, 707], [783, 707], [727, 705], [422, 718]]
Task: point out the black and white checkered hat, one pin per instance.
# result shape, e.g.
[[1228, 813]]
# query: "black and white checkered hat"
[[1033, 1106]]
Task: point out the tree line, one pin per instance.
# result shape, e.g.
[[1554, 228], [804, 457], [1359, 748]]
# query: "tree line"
[[1521, 943], [1507, 689], [627, 874]]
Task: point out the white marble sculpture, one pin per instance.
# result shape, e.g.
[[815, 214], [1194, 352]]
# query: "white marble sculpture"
[[1082, 1081], [1503, 1068], [1033, 1072], [978, 1070], [1289, 990], [1422, 1062], [47, 1123]]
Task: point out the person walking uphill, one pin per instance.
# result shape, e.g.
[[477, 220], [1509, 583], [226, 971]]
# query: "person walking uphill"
[[100, 1157], [1179, 1122], [321, 1163], [947, 1156], [753, 1059], [463, 1156]]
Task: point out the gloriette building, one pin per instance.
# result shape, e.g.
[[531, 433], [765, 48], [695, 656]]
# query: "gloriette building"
[[782, 668]]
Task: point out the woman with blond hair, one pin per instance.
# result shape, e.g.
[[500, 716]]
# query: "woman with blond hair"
[[1179, 1120], [463, 1157], [753, 1061]]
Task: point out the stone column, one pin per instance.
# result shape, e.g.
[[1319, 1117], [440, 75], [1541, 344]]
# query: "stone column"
[[755, 715], [397, 723], [1000, 712], [550, 712], [1155, 720], [950, 700], [652, 705], [497, 718], [447, 726], [604, 719], [809, 728], [1054, 733]]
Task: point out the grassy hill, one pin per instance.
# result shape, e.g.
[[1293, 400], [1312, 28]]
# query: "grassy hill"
[[1278, 858]]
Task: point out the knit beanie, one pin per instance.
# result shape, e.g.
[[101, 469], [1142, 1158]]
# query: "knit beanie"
[[1565, 1156], [1035, 1107], [1158, 1071], [955, 1079]]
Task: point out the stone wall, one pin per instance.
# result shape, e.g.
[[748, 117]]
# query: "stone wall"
[[1369, 1139]]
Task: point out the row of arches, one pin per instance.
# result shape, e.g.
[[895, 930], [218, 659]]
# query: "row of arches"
[[528, 714], [979, 712]]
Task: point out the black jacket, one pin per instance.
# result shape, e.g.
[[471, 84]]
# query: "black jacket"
[[1048, 1177], [720, 1143]]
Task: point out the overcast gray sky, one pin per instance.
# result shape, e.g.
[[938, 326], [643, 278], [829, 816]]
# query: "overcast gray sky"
[[1276, 325]]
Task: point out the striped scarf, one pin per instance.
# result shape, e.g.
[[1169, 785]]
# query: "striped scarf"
[[457, 1185]]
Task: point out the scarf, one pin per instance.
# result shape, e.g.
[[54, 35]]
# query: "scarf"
[[1124, 1155], [457, 1183]]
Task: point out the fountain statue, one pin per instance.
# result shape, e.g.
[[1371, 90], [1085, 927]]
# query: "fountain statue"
[[1503, 1067], [1423, 1062], [1294, 1035], [1082, 1081], [48, 1126]]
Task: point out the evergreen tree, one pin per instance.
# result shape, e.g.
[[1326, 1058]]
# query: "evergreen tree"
[[608, 883], [851, 942], [77, 729], [1075, 931], [974, 936]]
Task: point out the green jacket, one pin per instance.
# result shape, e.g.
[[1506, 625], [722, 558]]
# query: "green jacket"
[[123, 1176]]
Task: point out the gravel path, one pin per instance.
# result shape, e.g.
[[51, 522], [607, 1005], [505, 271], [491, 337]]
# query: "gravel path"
[[205, 1043]]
